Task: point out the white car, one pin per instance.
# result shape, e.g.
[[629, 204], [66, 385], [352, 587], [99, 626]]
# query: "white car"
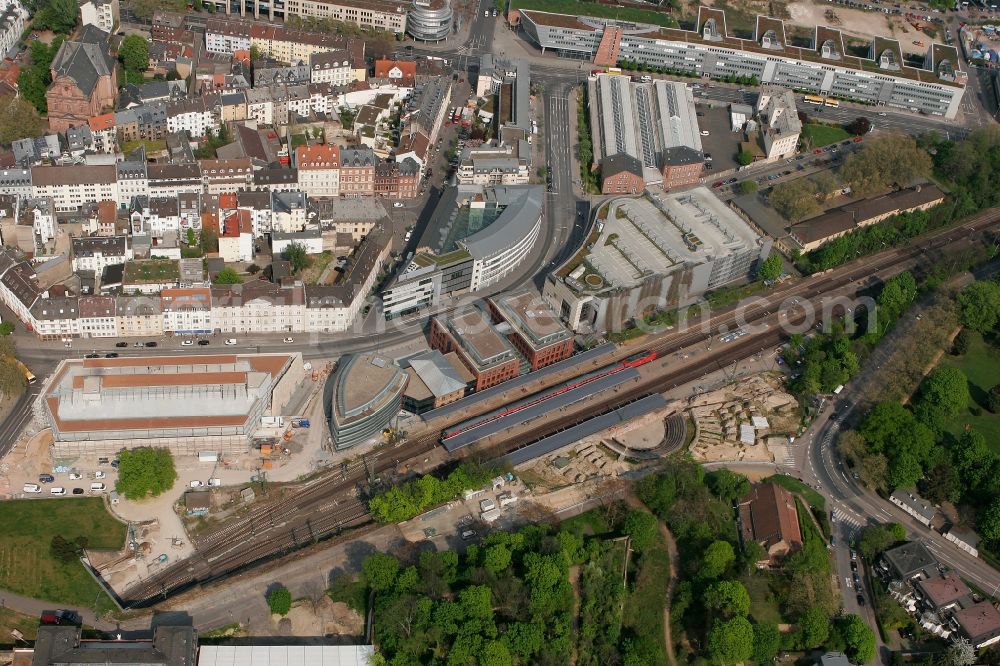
[[187, 343], [397, 204], [32, 488], [288, 341], [704, 132], [215, 482], [196, 484], [99, 474], [230, 342], [57, 490], [73, 476]]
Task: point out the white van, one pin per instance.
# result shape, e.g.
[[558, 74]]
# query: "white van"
[[32, 488], [57, 490], [97, 487]]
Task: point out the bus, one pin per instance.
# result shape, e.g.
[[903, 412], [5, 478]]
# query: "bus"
[[832, 103], [813, 99], [28, 376], [614, 70]]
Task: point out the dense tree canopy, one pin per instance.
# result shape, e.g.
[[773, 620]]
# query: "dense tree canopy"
[[641, 526], [719, 556], [380, 571], [884, 161], [771, 268], [795, 199], [980, 303], [18, 120], [876, 538], [942, 396], [728, 597], [731, 641], [279, 600], [858, 638], [228, 275], [134, 53], [145, 471]]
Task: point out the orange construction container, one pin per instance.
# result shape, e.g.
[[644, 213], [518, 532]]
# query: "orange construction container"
[[265, 449], [288, 434], [266, 463]]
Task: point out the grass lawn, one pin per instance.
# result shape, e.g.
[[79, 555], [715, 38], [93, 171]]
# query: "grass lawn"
[[588, 523], [823, 135], [982, 366], [27, 568], [152, 145], [11, 620], [580, 8], [319, 263], [763, 605], [796, 486], [151, 270], [648, 596]]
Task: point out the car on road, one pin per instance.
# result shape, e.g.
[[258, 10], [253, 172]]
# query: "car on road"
[[214, 482], [731, 181], [861, 599], [78, 491], [151, 343], [111, 355], [32, 488], [121, 345], [704, 132], [397, 204], [99, 474], [230, 342], [854, 555], [57, 490], [288, 341], [718, 183], [857, 580], [93, 355], [46, 478], [203, 342], [881, 113], [854, 566], [468, 534], [115, 463], [73, 476], [187, 343], [196, 484]]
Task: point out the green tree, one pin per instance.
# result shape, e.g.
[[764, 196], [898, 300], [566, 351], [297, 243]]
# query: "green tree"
[[59, 16], [296, 255], [727, 597], [992, 398], [279, 600], [209, 239], [19, 119], [795, 199], [859, 639], [988, 523], [524, 639], [744, 157], [476, 602], [980, 303], [727, 485], [192, 239], [717, 558], [641, 526], [748, 186], [859, 126], [496, 558], [889, 159], [944, 394], [6, 328], [766, 643], [380, 571], [960, 347], [227, 275], [876, 538], [771, 268], [731, 641], [814, 628], [495, 653], [145, 471], [904, 470], [134, 53]]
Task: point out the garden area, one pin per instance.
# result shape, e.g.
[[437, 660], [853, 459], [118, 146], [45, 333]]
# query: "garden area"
[[818, 135], [981, 366], [33, 562]]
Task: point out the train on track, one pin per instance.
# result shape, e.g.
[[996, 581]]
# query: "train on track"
[[633, 361]]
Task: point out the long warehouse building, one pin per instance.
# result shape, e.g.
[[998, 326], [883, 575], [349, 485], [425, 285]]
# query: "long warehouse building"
[[188, 404], [881, 77]]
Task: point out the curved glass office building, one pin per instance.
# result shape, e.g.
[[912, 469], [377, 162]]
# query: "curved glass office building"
[[430, 20], [367, 395]]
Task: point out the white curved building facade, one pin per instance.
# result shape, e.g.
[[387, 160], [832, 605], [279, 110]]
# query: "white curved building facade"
[[430, 20]]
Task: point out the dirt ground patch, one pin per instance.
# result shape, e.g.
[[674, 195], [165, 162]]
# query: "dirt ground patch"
[[851, 21], [324, 617]]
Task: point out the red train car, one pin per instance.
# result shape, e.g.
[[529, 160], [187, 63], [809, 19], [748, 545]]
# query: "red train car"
[[642, 358]]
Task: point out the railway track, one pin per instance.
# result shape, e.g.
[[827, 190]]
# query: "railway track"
[[330, 503]]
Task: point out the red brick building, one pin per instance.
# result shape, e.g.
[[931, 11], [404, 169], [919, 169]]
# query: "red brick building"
[[357, 172], [485, 352], [621, 174], [84, 84], [681, 166], [535, 329]]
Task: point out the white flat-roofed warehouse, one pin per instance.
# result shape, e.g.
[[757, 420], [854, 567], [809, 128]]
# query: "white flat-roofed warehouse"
[[184, 403], [654, 253]]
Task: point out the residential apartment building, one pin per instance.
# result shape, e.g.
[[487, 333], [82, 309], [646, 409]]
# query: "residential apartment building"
[[138, 316], [258, 306], [56, 318], [319, 170], [289, 212], [195, 115], [779, 122], [357, 172], [226, 176], [331, 67], [70, 187], [93, 253], [169, 180], [105, 14], [187, 311], [98, 317], [12, 21]]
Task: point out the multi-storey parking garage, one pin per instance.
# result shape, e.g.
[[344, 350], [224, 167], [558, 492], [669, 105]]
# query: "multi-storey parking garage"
[[430, 20]]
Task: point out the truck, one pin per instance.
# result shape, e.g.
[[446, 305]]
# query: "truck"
[[271, 422], [300, 423], [837, 390], [208, 456]]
